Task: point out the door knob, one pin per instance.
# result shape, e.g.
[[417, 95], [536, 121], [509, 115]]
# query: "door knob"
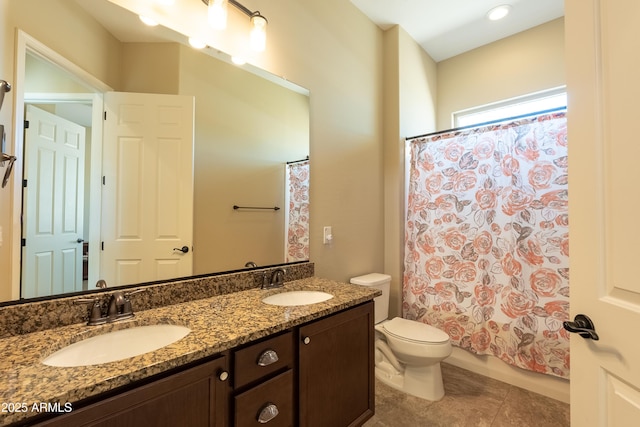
[[583, 326], [183, 249], [80, 240]]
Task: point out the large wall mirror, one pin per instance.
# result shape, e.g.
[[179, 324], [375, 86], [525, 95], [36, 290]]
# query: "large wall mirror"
[[250, 141]]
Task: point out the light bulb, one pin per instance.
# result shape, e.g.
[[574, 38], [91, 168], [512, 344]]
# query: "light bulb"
[[148, 21], [218, 14], [197, 44], [238, 60], [258, 36]]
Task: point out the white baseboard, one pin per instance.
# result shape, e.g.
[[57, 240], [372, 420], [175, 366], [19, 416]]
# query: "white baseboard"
[[492, 367]]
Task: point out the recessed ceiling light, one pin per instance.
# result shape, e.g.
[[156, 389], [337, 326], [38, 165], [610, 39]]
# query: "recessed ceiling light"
[[499, 12]]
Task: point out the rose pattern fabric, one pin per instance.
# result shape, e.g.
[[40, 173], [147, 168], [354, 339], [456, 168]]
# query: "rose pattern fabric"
[[487, 240], [297, 244]]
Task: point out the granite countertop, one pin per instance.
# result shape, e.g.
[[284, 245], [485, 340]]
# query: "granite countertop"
[[218, 323]]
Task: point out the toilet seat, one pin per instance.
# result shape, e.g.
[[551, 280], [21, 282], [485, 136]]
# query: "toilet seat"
[[414, 331]]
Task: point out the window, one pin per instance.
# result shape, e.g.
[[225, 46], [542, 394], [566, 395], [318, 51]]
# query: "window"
[[514, 107]]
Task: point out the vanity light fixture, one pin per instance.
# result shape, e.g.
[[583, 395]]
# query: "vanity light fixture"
[[499, 12], [217, 15]]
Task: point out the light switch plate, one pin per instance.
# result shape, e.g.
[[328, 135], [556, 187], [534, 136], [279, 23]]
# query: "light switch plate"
[[327, 235]]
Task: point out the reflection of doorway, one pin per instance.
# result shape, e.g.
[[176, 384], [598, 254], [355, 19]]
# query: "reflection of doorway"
[[80, 89], [147, 192], [54, 163], [60, 80]]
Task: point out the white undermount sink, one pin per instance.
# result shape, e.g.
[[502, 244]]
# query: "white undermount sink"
[[297, 298], [117, 345]]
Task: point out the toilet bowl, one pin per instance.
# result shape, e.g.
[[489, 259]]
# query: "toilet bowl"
[[407, 352]]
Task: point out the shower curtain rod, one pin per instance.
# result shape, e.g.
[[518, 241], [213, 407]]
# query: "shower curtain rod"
[[492, 122], [298, 161]]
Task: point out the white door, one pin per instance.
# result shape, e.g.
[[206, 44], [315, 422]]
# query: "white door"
[[147, 204], [603, 82], [53, 205]]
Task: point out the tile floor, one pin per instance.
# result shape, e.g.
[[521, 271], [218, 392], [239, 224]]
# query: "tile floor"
[[471, 400]]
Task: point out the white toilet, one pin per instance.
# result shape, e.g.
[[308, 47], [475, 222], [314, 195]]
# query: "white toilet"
[[407, 352]]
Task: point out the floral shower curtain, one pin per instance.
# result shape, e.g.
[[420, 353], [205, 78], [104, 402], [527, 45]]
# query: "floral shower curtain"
[[487, 240], [297, 229]]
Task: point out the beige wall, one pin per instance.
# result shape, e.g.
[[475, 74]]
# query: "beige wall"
[[150, 68], [246, 129], [332, 49], [409, 109], [527, 62], [6, 115]]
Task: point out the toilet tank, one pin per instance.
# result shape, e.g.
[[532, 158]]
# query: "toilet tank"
[[381, 303]]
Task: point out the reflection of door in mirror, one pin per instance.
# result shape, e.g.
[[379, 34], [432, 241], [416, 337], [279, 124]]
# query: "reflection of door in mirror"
[[165, 186], [53, 196], [147, 203]]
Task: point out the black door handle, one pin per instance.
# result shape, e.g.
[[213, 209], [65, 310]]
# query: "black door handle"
[[80, 240], [583, 326], [183, 249]]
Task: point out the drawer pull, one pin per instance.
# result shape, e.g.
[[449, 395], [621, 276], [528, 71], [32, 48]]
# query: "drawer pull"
[[267, 358], [268, 412]]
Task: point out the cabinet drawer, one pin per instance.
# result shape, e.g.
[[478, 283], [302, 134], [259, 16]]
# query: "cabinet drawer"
[[258, 360], [273, 399]]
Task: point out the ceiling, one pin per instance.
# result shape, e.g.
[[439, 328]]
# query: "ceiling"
[[446, 28]]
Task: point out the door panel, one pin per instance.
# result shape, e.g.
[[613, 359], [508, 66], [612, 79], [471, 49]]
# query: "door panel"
[[148, 191], [54, 205], [602, 41]]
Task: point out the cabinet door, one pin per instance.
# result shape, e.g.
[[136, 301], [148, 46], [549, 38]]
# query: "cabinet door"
[[196, 397], [336, 369]]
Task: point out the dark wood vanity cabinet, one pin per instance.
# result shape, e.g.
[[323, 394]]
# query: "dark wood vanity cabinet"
[[317, 374], [336, 369], [196, 397]]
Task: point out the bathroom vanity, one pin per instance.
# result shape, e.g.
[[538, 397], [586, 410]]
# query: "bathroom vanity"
[[244, 363]]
